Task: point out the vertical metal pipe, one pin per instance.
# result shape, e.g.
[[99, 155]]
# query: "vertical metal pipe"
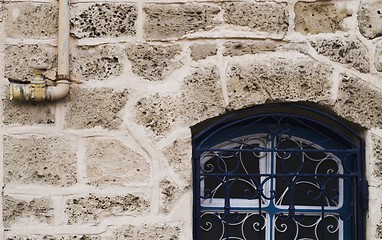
[[63, 40]]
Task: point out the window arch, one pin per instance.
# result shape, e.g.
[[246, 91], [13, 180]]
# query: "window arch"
[[278, 172]]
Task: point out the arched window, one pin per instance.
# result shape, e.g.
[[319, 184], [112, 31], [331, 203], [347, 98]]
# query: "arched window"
[[278, 172]]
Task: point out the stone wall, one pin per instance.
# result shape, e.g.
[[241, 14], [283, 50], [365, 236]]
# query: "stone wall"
[[112, 160]]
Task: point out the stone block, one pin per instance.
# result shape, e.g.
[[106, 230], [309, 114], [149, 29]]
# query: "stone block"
[[164, 21], [278, 79], [92, 209], [109, 161], [161, 231], [378, 57], [359, 103], [319, 17], [97, 62], [28, 113], [270, 17], [89, 108], [179, 157], [349, 51], [103, 20], [31, 20], [153, 62], [52, 237], [239, 48], [202, 51], [37, 209], [377, 154], [44, 160], [170, 193], [21, 60], [370, 19]]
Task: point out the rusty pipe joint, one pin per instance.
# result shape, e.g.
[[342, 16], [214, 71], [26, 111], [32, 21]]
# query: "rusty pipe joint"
[[34, 91]]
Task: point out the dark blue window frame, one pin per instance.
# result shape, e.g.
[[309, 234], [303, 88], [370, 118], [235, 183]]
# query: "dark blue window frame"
[[318, 133]]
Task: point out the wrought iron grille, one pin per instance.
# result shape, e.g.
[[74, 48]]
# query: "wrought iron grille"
[[279, 175]]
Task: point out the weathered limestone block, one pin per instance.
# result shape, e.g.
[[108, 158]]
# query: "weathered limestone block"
[[278, 79], [104, 20], [93, 208], [89, 108], [202, 51], [97, 62], [377, 154], [157, 113], [21, 60], [179, 157], [33, 20], [27, 113], [165, 21], [153, 62], [15, 210], [170, 193], [52, 237], [370, 19], [169, 231], [319, 17], [267, 17], [378, 57], [109, 161], [40, 160], [201, 95], [239, 48], [349, 51], [359, 103]]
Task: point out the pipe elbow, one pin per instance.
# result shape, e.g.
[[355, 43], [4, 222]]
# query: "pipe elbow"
[[59, 91]]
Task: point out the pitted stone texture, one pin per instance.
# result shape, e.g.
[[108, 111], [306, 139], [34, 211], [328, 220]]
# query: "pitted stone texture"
[[267, 17], [377, 152], [179, 157], [157, 113], [240, 48], [378, 57], [30, 20], [165, 21], [109, 161], [52, 237], [99, 62], [201, 96], [93, 209], [40, 160], [104, 20], [153, 62], [20, 61], [15, 210], [202, 51], [27, 113], [370, 19], [89, 108], [319, 17], [359, 103], [161, 231], [349, 51], [278, 79], [170, 193]]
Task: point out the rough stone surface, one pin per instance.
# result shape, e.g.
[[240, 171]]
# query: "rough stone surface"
[[40, 160], [179, 157], [278, 79], [52, 237], [88, 108], [109, 161], [21, 60], [319, 17], [153, 62], [31, 20], [370, 19], [99, 62], [15, 113], [165, 21], [349, 51], [146, 231], [267, 17], [202, 51], [378, 57], [104, 20], [92, 208], [377, 153], [239, 48], [15, 210], [170, 192], [358, 103]]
